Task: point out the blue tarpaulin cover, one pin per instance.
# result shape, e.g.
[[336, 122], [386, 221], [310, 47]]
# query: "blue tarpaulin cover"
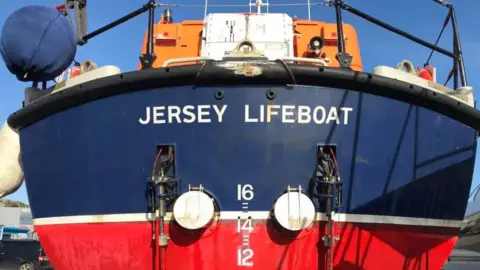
[[37, 43]]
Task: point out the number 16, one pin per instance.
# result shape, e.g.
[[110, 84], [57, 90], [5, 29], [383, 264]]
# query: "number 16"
[[245, 192]]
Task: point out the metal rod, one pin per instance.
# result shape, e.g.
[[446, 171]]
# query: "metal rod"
[[458, 47], [151, 17], [328, 213], [441, 2], [395, 30], [338, 15], [116, 22], [455, 64]]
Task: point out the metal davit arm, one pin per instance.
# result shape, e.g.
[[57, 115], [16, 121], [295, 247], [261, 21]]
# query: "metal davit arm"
[[395, 30], [146, 59], [456, 54]]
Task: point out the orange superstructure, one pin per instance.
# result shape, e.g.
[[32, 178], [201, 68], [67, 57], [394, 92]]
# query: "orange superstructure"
[[328, 31], [184, 40]]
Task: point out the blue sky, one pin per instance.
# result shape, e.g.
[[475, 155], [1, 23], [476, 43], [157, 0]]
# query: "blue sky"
[[121, 46]]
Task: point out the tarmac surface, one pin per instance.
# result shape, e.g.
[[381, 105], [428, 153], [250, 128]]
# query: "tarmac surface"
[[463, 260]]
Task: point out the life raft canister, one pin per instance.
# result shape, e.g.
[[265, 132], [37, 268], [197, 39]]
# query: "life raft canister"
[[426, 73]]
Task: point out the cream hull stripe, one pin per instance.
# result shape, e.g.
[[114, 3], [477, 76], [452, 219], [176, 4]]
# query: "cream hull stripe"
[[259, 215]]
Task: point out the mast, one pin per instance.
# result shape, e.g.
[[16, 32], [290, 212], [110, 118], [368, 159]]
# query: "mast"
[[206, 7], [308, 8], [259, 4]]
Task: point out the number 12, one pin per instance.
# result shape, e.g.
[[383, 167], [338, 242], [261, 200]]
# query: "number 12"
[[244, 257]]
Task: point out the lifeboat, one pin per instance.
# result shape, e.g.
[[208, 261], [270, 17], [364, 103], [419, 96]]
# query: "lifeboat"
[[243, 140]]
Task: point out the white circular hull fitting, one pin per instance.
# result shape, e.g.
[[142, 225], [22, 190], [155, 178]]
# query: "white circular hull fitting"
[[294, 210], [194, 210]]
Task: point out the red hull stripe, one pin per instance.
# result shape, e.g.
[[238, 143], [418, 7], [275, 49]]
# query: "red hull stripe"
[[128, 245], [233, 215]]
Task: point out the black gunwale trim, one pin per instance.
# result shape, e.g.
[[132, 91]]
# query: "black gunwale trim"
[[217, 74]]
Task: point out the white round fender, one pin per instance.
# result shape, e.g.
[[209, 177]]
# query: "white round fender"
[[193, 210], [294, 211], [11, 173]]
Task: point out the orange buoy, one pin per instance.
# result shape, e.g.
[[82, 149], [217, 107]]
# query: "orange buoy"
[[75, 71], [426, 73]]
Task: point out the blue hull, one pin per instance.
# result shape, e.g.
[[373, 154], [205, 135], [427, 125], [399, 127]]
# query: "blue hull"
[[396, 159]]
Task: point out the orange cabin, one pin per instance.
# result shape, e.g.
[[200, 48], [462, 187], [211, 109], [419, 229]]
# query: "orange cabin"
[[184, 40]]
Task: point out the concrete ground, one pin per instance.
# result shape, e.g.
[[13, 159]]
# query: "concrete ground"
[[463, 260]]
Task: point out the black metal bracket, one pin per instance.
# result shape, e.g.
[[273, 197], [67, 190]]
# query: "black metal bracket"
[[331, 189], [163, 185], [149, 57], [327, 185], [344, 58], [154, 193], [327, 188]]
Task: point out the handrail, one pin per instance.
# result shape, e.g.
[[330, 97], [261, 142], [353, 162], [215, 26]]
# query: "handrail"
[[307, 60], [202, 58], [186, 59]]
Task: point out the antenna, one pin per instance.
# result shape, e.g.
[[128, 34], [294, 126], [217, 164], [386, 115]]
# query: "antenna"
[[308, 8], [259, 4], [206, 7]]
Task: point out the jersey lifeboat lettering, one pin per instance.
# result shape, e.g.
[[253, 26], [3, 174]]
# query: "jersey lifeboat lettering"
[[289, 114], [298, 114], [186, 114]]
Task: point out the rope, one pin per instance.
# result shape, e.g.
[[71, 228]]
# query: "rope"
[[80, 10], [80, 21]]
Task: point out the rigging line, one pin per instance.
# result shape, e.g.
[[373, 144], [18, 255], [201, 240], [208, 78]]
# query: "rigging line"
[[203, 6], [474, 191], [296, 4], [445, 23]]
